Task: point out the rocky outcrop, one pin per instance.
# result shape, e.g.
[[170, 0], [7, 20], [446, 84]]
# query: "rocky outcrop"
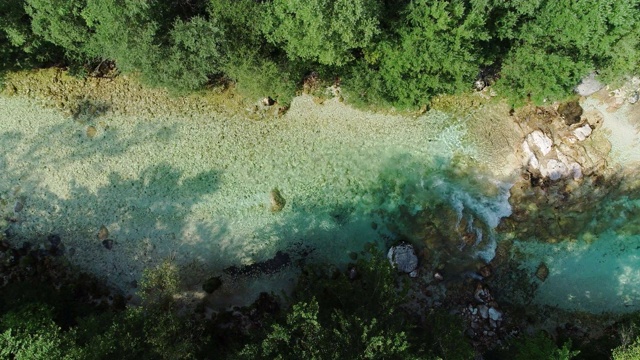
[[561, 143]]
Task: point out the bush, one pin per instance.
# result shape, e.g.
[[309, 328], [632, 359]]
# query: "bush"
[[628, 352], [193, 56], [335, 317], [566, 40], [323, 31], [29, 333], [435, 49], [543, 348], [257, 77]]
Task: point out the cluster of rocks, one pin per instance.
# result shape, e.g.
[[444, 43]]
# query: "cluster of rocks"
[[28, 256], [485, 320], [556, 145]]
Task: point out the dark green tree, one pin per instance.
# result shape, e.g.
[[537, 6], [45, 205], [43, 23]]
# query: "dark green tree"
[[435, 49], [325, 31], [564, 41]]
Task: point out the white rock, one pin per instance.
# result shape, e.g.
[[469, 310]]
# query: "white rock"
[[495, 315], [582, 132], [589, 85], [541, 141], [554, 170], [574, 169], [530, 157], [403, 258]]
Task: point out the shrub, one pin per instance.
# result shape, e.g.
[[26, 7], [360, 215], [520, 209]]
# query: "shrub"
[[323, 31]]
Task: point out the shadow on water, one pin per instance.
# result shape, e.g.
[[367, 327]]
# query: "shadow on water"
[[443, 205], [148, 215]]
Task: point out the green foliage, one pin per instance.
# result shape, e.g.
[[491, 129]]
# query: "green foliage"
[[237, 19], [20, 47], [60, 22], [564, 41], [181, 59], [160, 284], [152, 331], [628, 352], [137, 333], [305, 336], [326, 31], [446, 337], [334, 317], [257, 77], [29, 333], [535, 73], [436, 49], [543, 348], [194, 55]]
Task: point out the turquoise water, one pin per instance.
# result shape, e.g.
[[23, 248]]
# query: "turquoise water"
[[197, 191], [596, 267]]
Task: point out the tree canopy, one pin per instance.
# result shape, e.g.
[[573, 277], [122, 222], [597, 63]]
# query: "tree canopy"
[[401, 53]]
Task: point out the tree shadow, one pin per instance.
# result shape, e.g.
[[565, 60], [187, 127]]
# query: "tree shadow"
[[448, 209]]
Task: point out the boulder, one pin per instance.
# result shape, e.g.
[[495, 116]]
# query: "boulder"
[[589, 85], [554, 170], [541, 141], [212, 284], [571, 112], [277, 200], [494, 314], [403, 258], [582, 132]]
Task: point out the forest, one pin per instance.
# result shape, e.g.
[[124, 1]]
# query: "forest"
[[387, 53], [50, 310], [383, 54]]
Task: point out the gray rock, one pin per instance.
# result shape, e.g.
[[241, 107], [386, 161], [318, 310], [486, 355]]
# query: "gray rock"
[[403, 257], [495, 315], [484, 311], [555, 170], [582, 132], [589, 85], [634, 97]]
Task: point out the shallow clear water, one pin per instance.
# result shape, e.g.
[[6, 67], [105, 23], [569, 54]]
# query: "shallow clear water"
[[197, 190]]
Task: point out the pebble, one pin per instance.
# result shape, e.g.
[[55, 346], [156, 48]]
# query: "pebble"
[[103, 233], [91, 132], [18, 206]]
